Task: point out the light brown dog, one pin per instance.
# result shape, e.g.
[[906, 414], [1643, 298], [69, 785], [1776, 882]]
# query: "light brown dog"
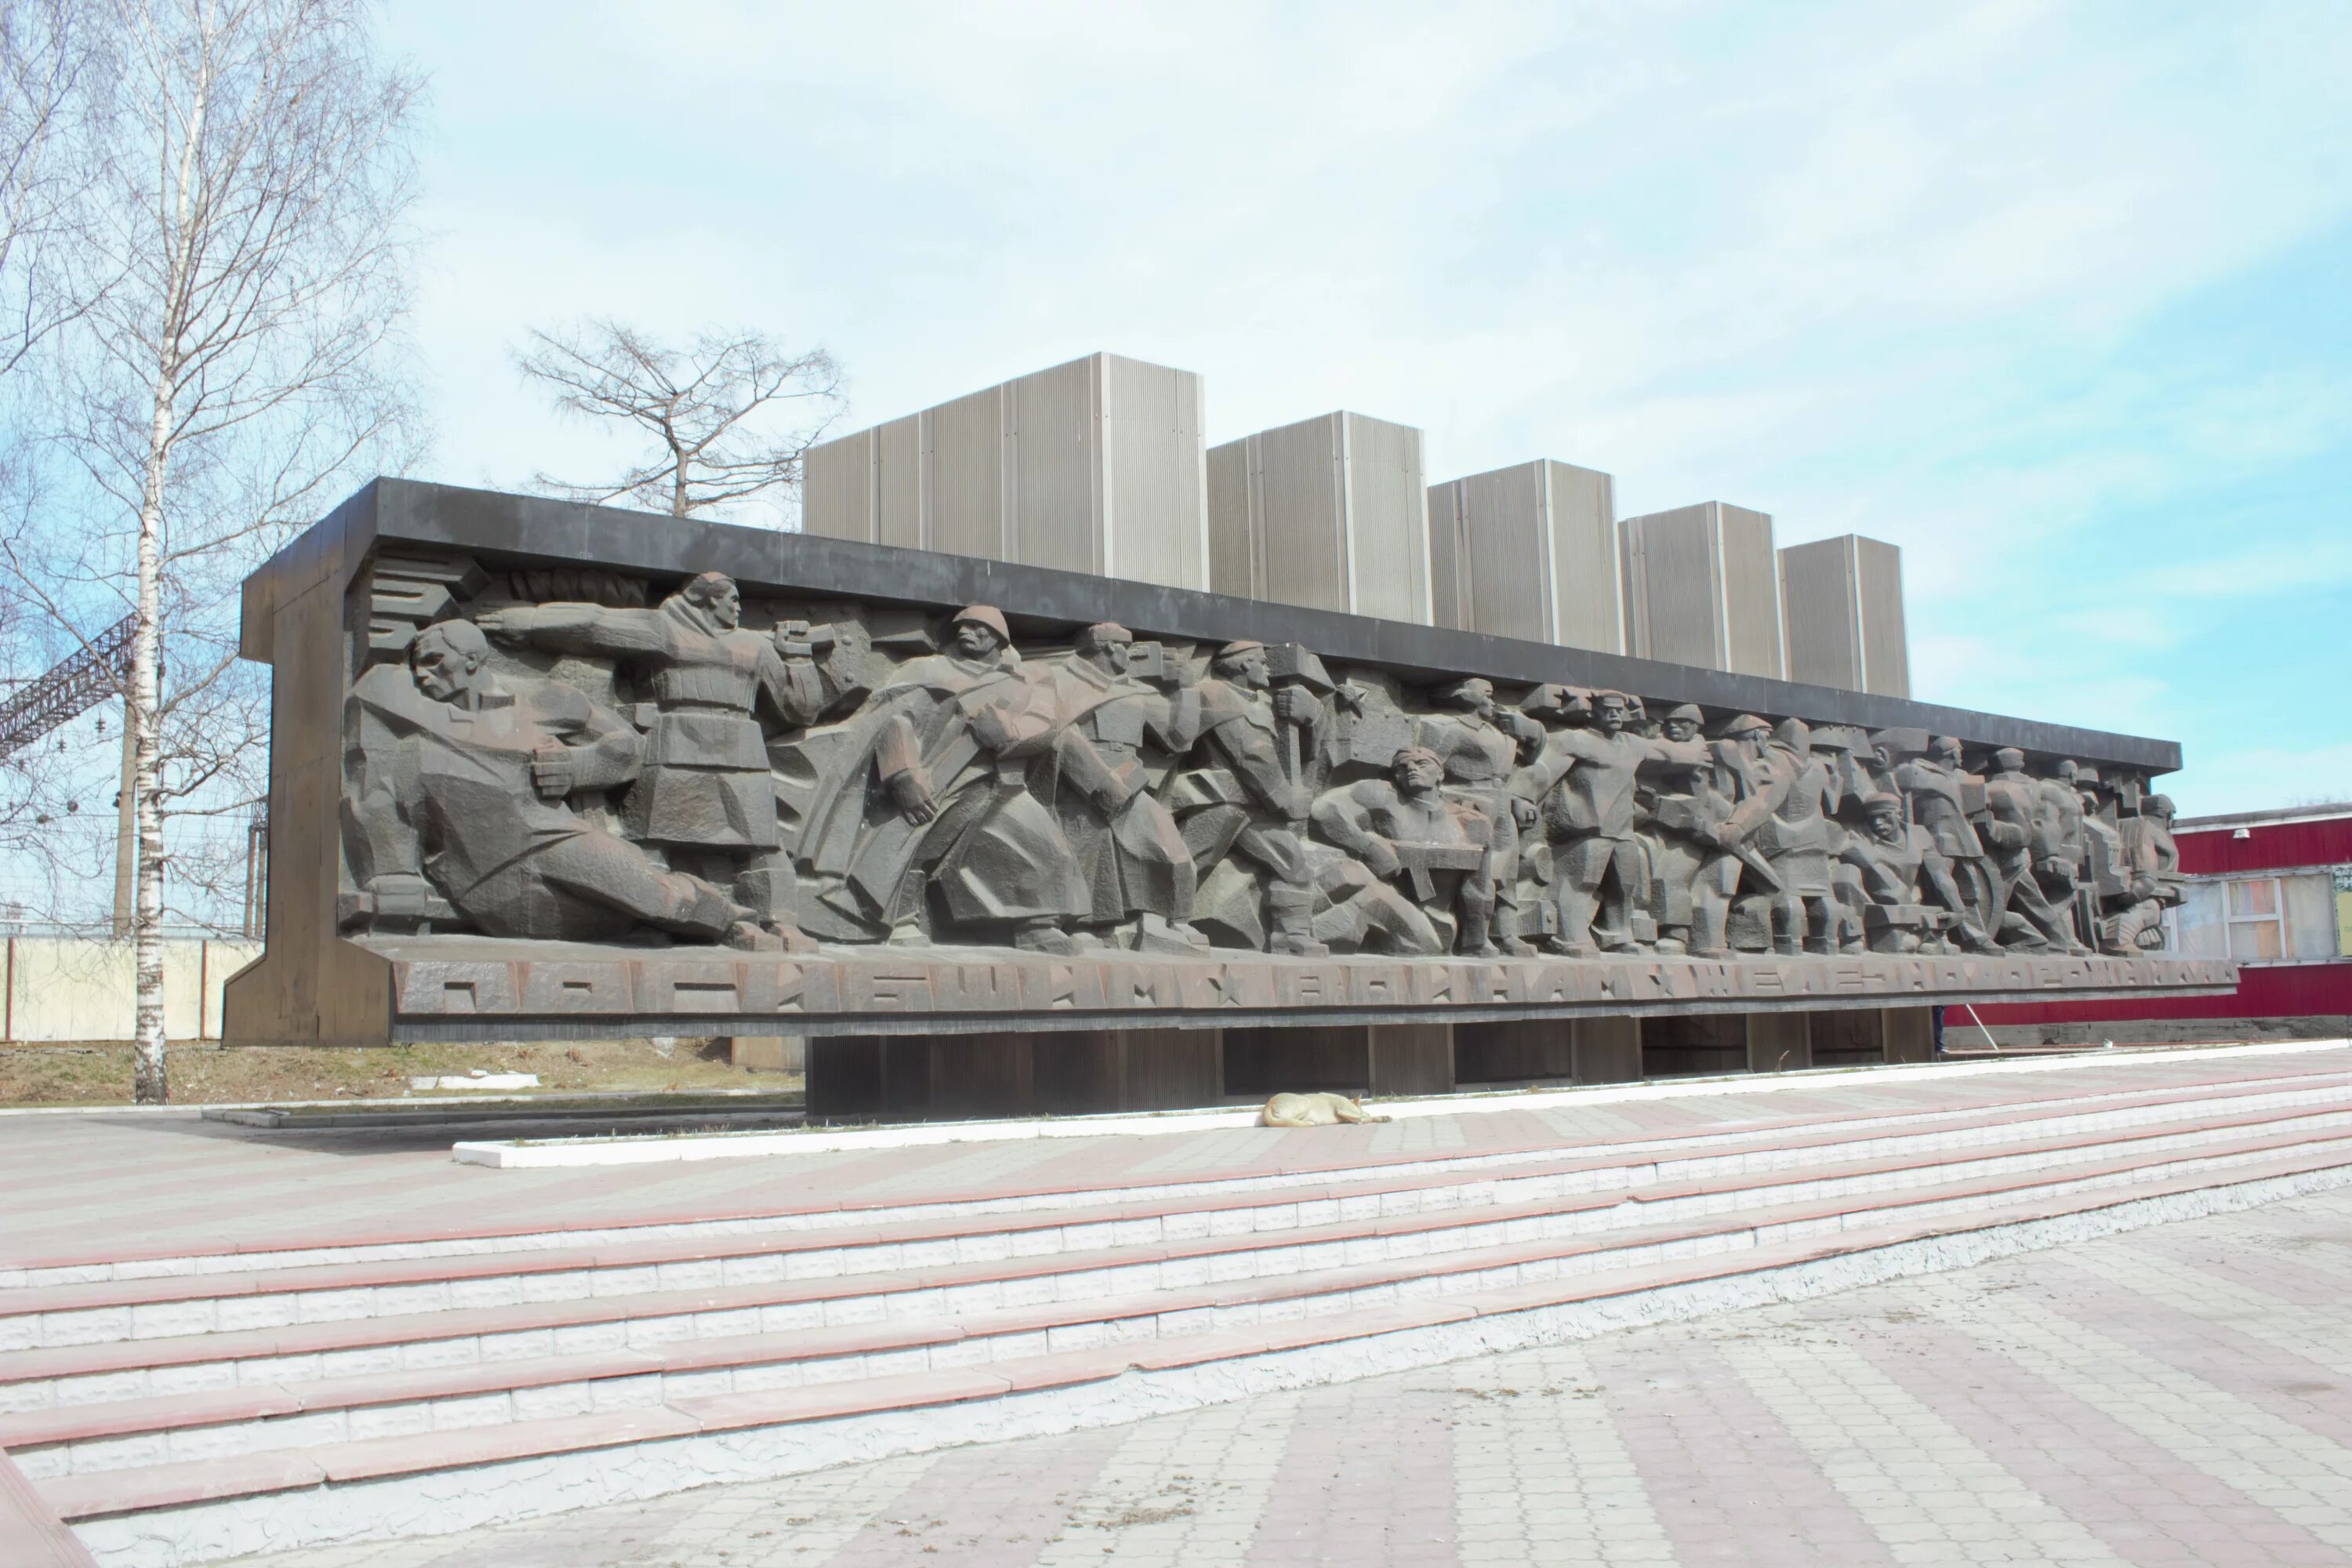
[[1315, 1110]]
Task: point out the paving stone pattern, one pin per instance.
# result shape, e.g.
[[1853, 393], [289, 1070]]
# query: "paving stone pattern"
[[2181, 1395]]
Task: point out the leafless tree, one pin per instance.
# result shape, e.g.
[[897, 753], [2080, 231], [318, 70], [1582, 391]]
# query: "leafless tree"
[[244, 249], [730, 413], [45, 83], [47, 86]]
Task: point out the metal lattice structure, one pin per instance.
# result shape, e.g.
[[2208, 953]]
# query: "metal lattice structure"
[[99, 671]]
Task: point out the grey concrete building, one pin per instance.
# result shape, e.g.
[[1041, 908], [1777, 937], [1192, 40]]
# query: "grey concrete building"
[[1093, 466], [1703, 587], [1842, 601], [1529, 551], [1330, 513]]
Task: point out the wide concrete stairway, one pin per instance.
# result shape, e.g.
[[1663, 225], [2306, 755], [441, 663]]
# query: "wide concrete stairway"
[[190, 1408]]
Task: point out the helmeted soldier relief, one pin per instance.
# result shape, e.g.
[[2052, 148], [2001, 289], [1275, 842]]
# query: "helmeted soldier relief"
[[706, 799], [2151, 878], [2012, 827], [1799, 841], [2062, 849], [1243, 801], [1942, 793], [933, 791], [1139, 874], [460, 788]]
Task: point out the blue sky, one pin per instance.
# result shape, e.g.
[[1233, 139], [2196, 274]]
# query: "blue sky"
[[2053, 296]]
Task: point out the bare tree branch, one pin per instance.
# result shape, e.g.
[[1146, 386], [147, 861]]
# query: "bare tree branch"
[[732, 413]]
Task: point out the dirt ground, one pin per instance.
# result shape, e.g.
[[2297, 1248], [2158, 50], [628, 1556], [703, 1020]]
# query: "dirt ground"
[[98, 1072]]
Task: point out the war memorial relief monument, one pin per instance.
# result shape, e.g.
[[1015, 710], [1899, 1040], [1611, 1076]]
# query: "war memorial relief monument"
[[543, 770]]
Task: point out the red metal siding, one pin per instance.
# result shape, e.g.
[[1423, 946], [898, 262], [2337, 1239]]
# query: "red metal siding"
[[2282, 991], [2216, 851]]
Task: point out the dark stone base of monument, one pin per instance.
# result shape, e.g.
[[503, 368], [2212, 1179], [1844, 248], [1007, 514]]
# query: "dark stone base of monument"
[[919, 1078], [994, 838]]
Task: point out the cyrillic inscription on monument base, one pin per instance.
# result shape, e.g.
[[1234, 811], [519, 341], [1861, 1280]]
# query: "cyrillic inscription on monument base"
[[455, 986]]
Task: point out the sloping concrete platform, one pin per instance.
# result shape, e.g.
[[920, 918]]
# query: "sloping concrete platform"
[[324, 1338]]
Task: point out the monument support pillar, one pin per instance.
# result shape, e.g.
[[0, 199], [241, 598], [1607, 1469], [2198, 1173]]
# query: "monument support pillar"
[[1778, 1042], [1608, 1050], [1910, 1034]]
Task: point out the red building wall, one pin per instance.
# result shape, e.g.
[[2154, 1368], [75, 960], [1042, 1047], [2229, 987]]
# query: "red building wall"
[[2274, 847]]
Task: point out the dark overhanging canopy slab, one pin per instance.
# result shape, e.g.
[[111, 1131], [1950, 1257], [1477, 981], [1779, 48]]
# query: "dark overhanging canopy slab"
[[540, 530]]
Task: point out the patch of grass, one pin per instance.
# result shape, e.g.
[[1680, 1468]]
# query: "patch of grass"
[[97, 1073]]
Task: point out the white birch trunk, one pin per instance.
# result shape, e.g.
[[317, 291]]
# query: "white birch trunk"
[[150, 1084]]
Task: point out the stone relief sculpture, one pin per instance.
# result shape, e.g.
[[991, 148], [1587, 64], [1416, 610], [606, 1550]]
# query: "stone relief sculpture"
[[459, 805], [647, 766]]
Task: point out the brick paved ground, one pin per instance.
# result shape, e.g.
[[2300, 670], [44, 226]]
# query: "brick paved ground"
[[2174, 1396]]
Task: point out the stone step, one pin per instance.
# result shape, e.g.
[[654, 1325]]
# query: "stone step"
[[191, 1510], [81, 1370], [1341, 1156], [174, 1306], [137, 1432]]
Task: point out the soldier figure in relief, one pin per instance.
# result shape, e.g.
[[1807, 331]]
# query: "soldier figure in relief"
[[2061, 846], [706, 799], [1130, 852], [2011, 828], [1887, 863], [1583, 783], [1242, 801], [1938, 787], [1798, 841], [934, 788], [1692, 877], [1405, 831], [462, 781], [1478, 746], [2150, 864]]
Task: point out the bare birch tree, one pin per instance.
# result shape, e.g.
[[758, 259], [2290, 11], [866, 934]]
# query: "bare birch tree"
[[48, 87], [246, 256], [44, 65], [730, 415]]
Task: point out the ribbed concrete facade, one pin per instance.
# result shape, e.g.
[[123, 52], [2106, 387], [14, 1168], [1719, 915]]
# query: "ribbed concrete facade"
[[1331, 513], [1093, 466], [1703, 587], [1529, 551], [1843, 602]]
